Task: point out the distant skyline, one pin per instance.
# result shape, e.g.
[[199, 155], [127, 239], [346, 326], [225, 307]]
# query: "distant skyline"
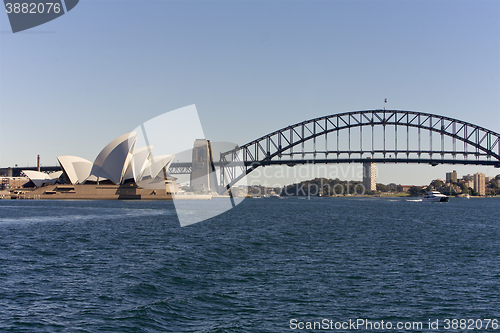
[[72, 85]]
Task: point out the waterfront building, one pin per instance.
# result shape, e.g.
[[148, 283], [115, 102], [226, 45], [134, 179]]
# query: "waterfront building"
[[479, 183], [6, 172], [468, 177], [119, 162], [370, 175], [13, 182], [468, 183], [404, 188], [451, 177]]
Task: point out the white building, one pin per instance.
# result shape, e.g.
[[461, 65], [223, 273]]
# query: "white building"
[[117, 163]]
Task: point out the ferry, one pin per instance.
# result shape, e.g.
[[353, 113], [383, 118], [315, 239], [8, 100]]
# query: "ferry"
[[435, 196]]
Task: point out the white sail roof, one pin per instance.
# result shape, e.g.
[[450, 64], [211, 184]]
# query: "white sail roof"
[[76, 168], [141, 161], [118, 161], [155, 165], [138, 161], [40, 178], [111, 161], [54, 176]]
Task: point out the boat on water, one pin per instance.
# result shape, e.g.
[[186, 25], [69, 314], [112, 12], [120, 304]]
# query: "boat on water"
[[435, 196]]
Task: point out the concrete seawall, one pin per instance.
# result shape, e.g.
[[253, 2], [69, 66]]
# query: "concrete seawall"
[[93, 192]]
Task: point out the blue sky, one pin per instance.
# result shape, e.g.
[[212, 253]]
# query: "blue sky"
[[70, 86]]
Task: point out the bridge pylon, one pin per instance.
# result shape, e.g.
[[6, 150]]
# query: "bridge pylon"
[[370, 175], [203, 177]]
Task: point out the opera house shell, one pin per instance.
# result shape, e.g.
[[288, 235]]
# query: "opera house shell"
[[120, 163], [40, 178]]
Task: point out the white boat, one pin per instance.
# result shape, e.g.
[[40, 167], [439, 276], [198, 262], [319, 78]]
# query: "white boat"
[[435, 196]]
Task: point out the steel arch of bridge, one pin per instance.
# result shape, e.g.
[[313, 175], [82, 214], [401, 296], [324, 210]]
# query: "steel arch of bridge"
[[277, 148]]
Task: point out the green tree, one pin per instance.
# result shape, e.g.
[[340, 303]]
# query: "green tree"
[[437, 183], [464, 187], [417, 191], [392, 187], [382, 188]]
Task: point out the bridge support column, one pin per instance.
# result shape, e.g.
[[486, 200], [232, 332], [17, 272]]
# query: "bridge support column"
[[203, 177], [370, 175]]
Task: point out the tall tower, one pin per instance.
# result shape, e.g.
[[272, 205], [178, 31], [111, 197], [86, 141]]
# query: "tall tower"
[[480, 183], [203, 177], [451, 177], [370, 175]]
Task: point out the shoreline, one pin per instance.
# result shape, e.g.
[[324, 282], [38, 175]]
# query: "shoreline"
[[97, 192]]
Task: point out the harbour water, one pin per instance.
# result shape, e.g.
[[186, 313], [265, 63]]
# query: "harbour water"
[[265, 266]]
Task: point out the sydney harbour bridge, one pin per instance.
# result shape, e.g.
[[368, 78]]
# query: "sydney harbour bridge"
[[381, 136]]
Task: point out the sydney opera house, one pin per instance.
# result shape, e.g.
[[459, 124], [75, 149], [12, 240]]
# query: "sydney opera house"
[[120, 171]]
